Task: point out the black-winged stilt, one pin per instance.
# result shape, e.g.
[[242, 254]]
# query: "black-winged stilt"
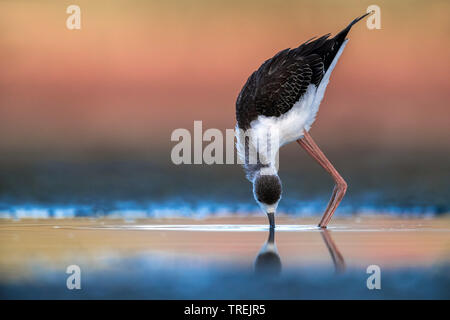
[[281, 100]]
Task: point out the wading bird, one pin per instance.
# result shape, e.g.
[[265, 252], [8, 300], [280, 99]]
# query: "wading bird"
[[277, 105]]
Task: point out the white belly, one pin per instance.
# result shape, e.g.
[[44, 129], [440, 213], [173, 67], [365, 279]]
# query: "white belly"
[[291, 125]]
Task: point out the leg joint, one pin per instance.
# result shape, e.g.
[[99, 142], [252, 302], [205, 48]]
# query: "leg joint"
[[342, 185]]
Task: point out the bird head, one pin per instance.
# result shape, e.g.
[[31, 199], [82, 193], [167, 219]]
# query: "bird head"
[[267, 192]]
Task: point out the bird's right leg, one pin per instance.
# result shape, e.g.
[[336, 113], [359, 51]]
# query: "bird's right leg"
[[340, 188]]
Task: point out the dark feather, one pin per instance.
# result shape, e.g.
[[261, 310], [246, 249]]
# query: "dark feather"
[[280, 82]]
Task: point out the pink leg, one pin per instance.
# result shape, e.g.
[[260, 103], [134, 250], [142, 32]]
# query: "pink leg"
[[340, 188]]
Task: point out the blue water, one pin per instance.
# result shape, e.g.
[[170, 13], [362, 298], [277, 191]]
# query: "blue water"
[[133, 189], [130, 189], [152, 278]]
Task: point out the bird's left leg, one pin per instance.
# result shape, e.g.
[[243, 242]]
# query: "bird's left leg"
[[340, 188]]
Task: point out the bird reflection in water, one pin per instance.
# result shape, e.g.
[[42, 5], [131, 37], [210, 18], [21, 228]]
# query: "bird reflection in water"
[[268, 260], [338, 259]]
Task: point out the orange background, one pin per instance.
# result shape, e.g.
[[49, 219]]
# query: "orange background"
[[137, 70]]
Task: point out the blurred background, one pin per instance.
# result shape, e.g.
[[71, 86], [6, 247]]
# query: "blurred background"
[[86, 115]]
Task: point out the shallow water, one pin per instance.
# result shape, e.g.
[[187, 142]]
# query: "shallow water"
[[247, 228], [220, 258], [194, 227], [401, 185]]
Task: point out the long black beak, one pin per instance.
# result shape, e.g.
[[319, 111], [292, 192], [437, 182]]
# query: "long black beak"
[[271, 217]]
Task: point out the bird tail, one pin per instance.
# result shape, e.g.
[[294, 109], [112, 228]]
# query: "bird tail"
[[341, 35], [358, 19]]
